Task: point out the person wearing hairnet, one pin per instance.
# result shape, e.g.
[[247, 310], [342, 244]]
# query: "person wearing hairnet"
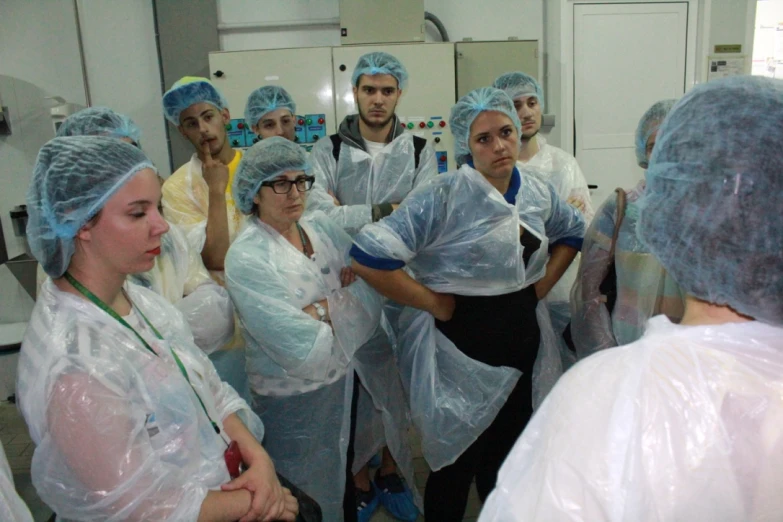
[[687, 422], [129, 418], [368, 168], [101, 121], [304, 316], [270, 111], [554, 165], [197, 197], [620, 284], [476, 349], [179, 274], [12, 507], [371, 164]]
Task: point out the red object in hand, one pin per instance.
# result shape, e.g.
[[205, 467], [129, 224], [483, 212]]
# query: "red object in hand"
[[233, 459], [442, 123]]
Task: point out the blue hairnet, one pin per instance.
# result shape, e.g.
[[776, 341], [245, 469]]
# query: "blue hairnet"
[[468, 108], [100, 121], [73, 178], [265, 100], [711, 210], [518, 84], [265, 160], [380, 63], [188, 91], [649, 125]]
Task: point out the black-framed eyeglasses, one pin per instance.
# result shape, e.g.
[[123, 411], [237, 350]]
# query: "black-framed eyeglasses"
[[283, 186]]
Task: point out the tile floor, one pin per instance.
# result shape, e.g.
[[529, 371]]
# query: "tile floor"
[[19, 450]]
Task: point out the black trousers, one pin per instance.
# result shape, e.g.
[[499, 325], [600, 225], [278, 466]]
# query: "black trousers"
[[499, 331], [349, 499]]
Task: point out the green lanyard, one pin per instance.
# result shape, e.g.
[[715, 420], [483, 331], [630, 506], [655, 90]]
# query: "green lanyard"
[[103, 306]]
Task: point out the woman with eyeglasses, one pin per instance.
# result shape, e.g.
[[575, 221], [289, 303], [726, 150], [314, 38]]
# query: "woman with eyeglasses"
[[303, 315]]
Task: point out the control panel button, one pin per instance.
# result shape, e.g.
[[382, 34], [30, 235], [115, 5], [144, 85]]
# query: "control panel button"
[[442, 123], [309, 121], [300, 122], [410, 125], [321, 121], [437, 140], [422, 124], [430, 124], [228, 126], [240, 125]]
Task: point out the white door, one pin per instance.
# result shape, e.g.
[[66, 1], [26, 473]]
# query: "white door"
[[626, 57]]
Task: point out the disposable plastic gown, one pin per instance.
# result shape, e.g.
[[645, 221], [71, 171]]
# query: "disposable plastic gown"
[[561, 170], [12, 508], [119, 432], [300, 369], [382, 414], [359, 180], [186, 203], [180, 277], [459, 235], [644, 288], [684, 424]]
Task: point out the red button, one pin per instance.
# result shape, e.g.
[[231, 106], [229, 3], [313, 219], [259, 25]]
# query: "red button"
[[321, 121], [240, 125], [443, 158], [402, 125], [422, 125], [442, 123], [301, 122]]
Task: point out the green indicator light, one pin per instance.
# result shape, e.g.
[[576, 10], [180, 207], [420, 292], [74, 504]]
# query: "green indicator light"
[[309, 121], [430, 124], [410, 125], [228, 126]]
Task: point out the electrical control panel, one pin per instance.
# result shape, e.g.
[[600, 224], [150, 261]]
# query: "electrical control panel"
[[306, 74], [237, 133], [315, 127]]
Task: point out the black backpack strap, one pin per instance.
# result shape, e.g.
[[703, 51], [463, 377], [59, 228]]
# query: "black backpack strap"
[[418, 146], [336, 142]]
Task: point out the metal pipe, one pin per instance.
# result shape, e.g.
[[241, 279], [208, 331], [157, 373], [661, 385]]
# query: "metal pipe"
[[444, 34], [85, 79], [281, 24]]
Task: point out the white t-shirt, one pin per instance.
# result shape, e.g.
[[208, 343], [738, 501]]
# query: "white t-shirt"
[[373, 147]]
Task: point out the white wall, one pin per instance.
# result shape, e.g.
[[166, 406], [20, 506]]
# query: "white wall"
[[38, 57], [122, 67], [486, 20]]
